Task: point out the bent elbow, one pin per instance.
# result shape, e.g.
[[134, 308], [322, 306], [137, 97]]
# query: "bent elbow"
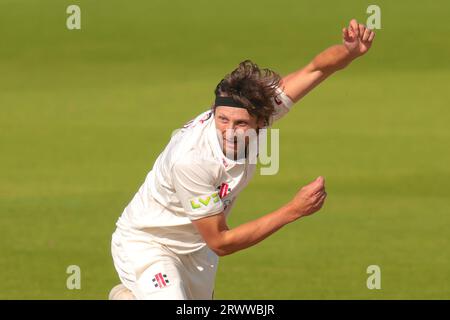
[[221, 248], [221, 252], [221, 245]]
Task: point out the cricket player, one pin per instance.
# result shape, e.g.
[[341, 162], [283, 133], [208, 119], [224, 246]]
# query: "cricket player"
[[169, 237]]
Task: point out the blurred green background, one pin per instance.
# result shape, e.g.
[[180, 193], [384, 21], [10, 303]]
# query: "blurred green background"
[[84, 113]]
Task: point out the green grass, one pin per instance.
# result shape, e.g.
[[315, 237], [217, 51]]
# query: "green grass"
[[83, 115]]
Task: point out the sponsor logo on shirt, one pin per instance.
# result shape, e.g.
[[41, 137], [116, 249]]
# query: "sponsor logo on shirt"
[[191, 124], [199, 202], [160, 280], [206, 117], [224, 190]]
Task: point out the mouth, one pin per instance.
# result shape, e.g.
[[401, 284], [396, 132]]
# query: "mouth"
[[229, 142]]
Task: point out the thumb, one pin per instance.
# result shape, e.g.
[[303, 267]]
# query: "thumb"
[[318, 183]]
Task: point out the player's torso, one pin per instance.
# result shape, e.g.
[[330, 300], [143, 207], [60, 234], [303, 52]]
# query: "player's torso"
[[197, 137]]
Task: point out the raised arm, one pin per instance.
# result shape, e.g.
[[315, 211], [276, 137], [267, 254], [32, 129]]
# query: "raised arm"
[[356, 39], [224, 241]]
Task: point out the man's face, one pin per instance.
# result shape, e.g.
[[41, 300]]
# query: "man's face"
[[232, 123]]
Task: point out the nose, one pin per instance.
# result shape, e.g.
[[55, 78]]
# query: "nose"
[[230, 126], [229, 130]]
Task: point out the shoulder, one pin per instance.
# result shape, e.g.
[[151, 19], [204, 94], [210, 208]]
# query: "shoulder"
[[190, 144], [197, 166]]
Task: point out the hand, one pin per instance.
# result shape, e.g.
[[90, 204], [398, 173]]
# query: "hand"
[[309, 199], [357, 38]]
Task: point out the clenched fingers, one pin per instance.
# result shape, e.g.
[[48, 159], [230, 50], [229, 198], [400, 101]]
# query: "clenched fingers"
[[321, 197], [319, 203]]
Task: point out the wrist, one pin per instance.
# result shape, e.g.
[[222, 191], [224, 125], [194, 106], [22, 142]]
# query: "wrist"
[[293, 212], [351, 54]]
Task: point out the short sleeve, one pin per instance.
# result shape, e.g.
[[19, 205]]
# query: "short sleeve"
[[195, 188], [282, 104]]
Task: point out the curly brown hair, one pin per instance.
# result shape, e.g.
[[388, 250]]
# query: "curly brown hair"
[[252, 87]]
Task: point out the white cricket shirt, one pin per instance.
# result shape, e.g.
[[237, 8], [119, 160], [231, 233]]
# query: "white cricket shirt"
[[191, 179]]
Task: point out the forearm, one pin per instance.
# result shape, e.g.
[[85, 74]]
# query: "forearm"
[[332, 59], [298, 83], [251, 233], [223, 240], [357, 40]]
